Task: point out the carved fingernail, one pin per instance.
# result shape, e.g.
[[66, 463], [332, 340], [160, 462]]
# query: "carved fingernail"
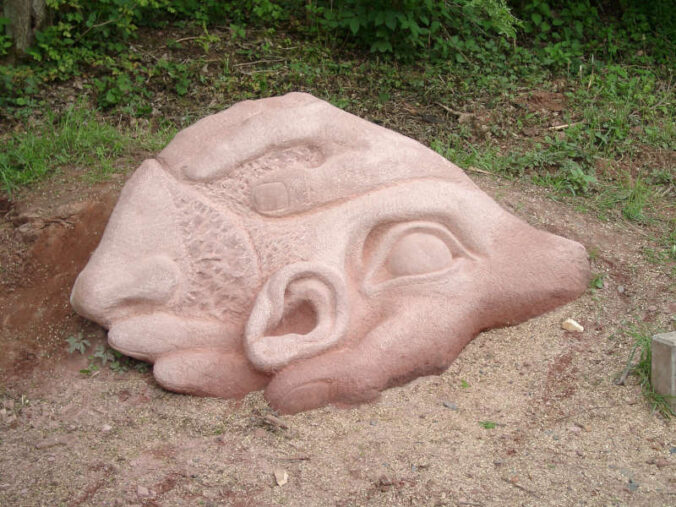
[[305, 397], [269, 197]]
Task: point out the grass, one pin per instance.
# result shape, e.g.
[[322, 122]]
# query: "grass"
[[642, 369], [597, 281], [631, 199], [76, 138], [615, 158]]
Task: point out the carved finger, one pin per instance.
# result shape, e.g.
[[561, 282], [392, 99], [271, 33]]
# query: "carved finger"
[[147, 337], [226, 144], [208, 372], [390, 355]]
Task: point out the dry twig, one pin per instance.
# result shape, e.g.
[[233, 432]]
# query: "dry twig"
[[519, 486]]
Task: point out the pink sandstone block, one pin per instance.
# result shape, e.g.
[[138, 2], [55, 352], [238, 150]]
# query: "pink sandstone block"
[[288, 245]]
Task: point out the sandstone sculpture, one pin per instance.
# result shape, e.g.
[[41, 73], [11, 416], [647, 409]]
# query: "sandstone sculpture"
[[288, 245]]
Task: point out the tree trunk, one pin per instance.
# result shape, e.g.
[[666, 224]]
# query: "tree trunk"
[[25, 18]]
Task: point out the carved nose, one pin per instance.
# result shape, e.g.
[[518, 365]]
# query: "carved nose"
[[301, 311], [537, 272], [104, 287], [133, 263]]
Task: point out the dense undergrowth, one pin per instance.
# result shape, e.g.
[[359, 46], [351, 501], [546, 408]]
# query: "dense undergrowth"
[[577, 96]]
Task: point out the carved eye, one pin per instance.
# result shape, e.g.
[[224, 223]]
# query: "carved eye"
[[411, 252], [418, 253]]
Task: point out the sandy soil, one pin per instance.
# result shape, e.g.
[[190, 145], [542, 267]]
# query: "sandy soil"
[[564, 433]]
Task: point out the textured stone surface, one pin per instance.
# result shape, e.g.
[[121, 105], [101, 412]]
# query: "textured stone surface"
[[288, 245], [663, 374]]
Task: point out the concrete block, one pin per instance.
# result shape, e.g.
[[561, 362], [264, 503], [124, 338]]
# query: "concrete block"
[[663, 374]]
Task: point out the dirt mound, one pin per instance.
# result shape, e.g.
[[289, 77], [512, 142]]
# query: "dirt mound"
[[42, 252]]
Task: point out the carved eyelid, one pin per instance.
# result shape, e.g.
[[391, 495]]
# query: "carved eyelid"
[[390, 238]]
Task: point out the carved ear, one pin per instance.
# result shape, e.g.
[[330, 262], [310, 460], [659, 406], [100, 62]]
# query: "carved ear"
[[301, 311]]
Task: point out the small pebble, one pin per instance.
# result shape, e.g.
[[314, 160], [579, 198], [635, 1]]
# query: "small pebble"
[[672, 450], [143, 491], [620, 289], [281, 476], [633, 486], [107, 428], [572, 325], [450, 405], [661, 463]]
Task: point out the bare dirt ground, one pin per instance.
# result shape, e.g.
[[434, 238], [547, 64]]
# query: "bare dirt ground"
[[563, 432]]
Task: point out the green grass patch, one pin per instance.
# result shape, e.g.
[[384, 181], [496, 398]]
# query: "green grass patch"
[[617, 93], [77, 138], [642, 369]]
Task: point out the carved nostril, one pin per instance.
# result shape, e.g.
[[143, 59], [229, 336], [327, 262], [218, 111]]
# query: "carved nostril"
[[152, 280], [102, 287], [301, 311]]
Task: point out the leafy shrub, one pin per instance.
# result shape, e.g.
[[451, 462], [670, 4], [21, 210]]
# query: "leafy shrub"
[[569, 31], [5, 40], [95, 36], [405, 27]]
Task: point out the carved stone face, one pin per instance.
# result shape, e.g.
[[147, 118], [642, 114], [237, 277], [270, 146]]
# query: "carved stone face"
[[288, 244]]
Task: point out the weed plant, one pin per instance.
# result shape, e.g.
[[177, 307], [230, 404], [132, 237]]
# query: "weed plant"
[[642, 369], [103, 356]]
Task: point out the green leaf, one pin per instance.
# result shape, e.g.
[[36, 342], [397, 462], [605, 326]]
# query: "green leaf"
[[544, 8], [391, 20], [354, 25], [537, 18], [597, 281], [381, 46], [579, 28]]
